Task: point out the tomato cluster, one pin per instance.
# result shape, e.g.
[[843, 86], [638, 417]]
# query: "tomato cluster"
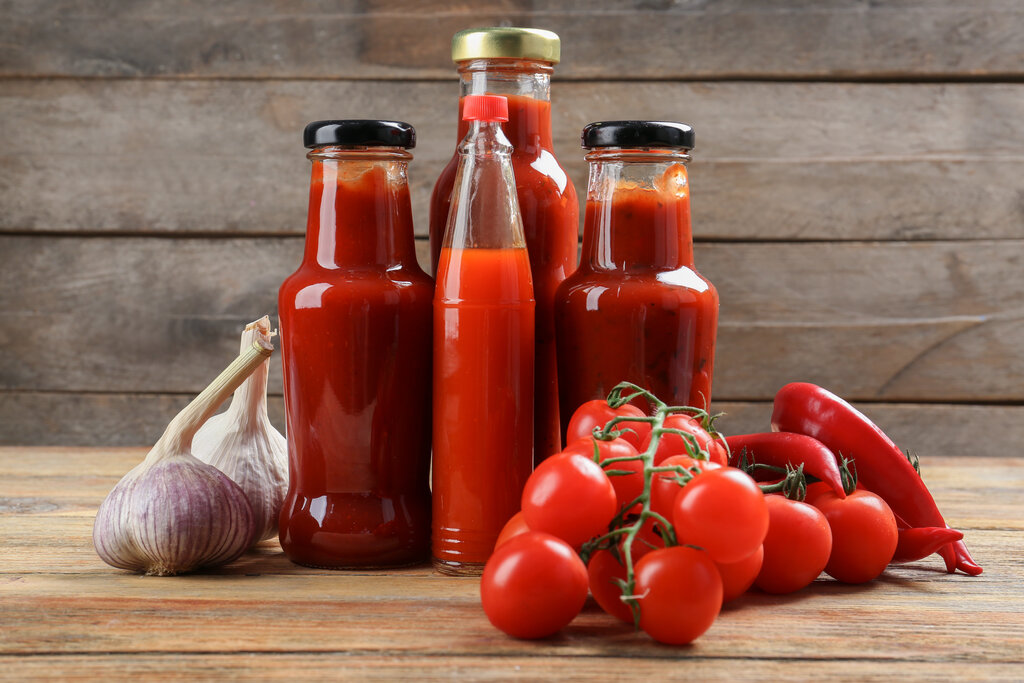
[[646, 514], [641, 511]]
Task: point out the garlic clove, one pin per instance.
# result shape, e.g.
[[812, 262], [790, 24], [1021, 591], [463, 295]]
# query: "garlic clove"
[[111, 531], [172, 513], [243, 444]]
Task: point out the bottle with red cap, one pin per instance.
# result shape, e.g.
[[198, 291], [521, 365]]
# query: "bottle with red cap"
[[483, 350]]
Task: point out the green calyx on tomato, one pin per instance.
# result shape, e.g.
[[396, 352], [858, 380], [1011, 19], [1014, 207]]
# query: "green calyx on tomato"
[[652, 526]]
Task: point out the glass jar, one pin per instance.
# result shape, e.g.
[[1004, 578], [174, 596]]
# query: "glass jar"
[[518, 63], [356, 346], [636, 309]]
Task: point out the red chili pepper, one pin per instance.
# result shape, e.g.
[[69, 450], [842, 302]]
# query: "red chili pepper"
[[964, 561], [881, 466], [917, 544], [779, 449]]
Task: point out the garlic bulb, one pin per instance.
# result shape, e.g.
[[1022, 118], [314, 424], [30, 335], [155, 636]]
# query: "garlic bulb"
[[243, 444], [173, 513]]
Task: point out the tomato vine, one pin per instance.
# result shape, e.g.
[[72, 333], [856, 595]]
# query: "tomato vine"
[[626, 526]]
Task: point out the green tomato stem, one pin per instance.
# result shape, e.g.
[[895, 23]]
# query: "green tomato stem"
[[627, 533]]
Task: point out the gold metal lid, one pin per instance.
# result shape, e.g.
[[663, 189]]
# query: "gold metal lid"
[[512, 43]]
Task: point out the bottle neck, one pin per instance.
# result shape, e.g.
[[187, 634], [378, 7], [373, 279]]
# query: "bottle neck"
[[484, 211], [526, 84], [360, 215], [638, 211]]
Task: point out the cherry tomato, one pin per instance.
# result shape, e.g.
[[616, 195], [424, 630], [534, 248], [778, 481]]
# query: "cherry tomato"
[[864, 535], [569, 496], [598, 413], [603, 569], [738, 577], [674, 444], [681, 594], [627, 486], [796, 547], [533, 585], [815, 490], [722, 511], [665, 488], [513, 527]]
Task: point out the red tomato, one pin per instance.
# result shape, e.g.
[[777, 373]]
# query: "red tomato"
[[864, 535], [738, 577], [722, 511], [569, 496], [681, 594], [674, 444], [533, 585], [603, 569], [627, 486], [796, 547], [513, 527], [598, 413], [665, 488], [815, 490]]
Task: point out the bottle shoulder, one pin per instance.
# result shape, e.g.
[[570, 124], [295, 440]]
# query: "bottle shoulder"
[[309, 287], [587, 282], [536, 169], [540, 172]]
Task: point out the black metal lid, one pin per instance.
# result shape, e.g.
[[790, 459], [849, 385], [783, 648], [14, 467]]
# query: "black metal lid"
[[363, 132], [638, 134]]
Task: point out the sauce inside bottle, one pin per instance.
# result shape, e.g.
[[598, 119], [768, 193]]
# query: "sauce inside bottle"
[[356, 347], [637, 309], [483, 352]]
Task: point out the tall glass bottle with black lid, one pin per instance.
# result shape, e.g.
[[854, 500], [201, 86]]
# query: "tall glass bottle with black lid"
[[356, 346]]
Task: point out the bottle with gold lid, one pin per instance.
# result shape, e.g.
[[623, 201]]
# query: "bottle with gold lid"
[[518, 63]]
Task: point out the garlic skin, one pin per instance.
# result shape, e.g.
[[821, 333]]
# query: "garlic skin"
[[172, 513], [243, 444], [172, 517]]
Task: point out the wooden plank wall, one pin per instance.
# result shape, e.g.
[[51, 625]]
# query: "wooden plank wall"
[[858, 192]]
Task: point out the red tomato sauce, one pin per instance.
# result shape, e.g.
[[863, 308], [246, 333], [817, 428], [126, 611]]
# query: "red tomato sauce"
[[483, 398], [550, 213], [636, 310], [355, 335]]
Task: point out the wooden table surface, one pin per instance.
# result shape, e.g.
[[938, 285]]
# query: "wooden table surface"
[[65, 615]]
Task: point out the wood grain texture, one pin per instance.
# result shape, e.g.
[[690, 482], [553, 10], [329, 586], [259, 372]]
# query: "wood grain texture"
[[150, 119], [773, 160], [398, 665], [406, 39], [66, 419], [899, 321], [66, 613]]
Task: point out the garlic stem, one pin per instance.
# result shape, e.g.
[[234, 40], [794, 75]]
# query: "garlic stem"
[[178, 435], [250, 402]]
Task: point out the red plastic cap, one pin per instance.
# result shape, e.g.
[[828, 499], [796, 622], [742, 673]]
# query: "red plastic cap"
[[484, 108]]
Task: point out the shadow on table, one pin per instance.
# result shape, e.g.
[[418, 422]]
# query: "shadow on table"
[[268, 558]]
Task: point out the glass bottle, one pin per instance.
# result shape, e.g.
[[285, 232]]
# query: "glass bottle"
[[518, 63], [637, 309], [483, 351], [356, 346]]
